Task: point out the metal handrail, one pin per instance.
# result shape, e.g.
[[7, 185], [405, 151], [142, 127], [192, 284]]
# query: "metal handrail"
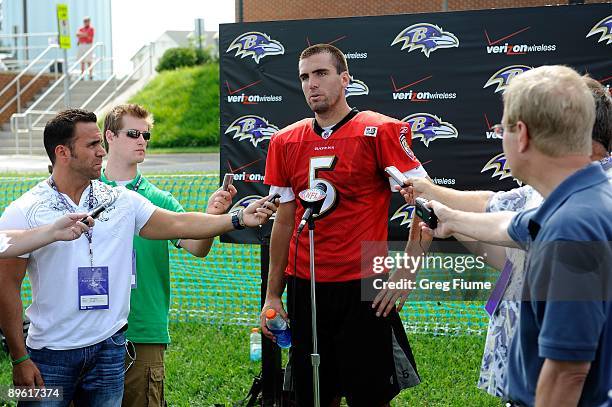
[[13, 63], [97, 91], [22, 48], [14, 118], [85, 55], [34, 61], [49, 34], [52, 87], [60, 97], [23, 61], [15, 45], [123, 82], [16, 131], [32, 81]]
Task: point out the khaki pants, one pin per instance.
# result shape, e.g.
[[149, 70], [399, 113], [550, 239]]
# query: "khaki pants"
[[144, 380]]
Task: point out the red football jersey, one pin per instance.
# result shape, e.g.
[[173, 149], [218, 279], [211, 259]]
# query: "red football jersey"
[[351, 164]]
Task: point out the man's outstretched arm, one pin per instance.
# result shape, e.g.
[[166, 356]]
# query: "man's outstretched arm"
[[218, 204], [485, 227], [167, 225], [469, 201], [18, 242]]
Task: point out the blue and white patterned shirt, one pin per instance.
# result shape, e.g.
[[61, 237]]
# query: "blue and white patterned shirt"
[[503, 323]]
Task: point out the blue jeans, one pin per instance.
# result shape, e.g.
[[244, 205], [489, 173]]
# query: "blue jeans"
[[91, 376]]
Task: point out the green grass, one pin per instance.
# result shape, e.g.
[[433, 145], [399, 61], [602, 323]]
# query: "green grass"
[[185, 105], [207, 365]]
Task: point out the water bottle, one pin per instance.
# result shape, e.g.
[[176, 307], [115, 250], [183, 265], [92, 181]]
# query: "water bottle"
[[279, 328], [255, 345]]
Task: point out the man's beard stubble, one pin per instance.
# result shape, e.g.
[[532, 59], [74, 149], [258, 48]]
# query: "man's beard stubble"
[[320, 108], [87, 171]]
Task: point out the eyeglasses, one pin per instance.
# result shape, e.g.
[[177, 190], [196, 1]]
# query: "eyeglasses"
[[500, 129], [133, 133], [130, 349]]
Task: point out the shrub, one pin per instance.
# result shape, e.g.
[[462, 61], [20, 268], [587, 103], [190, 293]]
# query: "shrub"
[[203, 56], [177, 58]]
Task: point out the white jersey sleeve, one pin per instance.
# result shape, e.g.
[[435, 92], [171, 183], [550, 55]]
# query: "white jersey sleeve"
[[286, 193], [418, 172]]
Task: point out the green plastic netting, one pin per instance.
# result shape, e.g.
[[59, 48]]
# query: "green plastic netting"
[[224, 287]]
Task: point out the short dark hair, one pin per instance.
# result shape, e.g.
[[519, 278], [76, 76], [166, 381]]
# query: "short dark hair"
[[338, 57], [602, 129], [60, 129]]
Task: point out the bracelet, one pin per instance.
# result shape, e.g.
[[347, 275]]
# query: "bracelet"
[[236, 220], [241, 217], [21, 359]]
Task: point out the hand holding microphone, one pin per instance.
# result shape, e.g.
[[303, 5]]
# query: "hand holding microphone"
[[94, 213], [439, 219]]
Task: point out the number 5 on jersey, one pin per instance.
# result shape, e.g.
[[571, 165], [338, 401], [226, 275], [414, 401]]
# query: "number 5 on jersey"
[[325, 163]]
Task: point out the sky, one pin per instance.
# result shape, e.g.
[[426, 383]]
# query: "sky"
[[138, 22]]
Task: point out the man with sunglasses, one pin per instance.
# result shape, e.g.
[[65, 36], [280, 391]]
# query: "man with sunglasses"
[[127, 130], [81, 289]]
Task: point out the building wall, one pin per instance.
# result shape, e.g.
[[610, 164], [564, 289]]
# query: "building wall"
[[269, 10]]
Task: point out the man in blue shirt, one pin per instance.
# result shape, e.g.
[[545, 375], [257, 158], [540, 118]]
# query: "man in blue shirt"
[[562, 354]]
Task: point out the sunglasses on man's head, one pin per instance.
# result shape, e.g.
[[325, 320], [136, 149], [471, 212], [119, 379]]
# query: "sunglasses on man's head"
[[133, 133]]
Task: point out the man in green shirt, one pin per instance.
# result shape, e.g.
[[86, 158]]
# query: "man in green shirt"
[[126, 133]]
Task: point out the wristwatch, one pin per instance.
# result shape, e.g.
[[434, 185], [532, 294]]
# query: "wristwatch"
[[237, 221]]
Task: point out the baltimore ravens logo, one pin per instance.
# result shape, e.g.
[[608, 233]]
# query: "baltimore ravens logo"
[[244, 202], [503, 77], [500, 167], [257, 45], [426, 37], [405, 214], [356, 88], [253, 128], [405, 145], [429, 127], [604, 28]]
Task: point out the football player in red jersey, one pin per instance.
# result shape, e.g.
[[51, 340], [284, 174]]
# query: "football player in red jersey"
[[365, 354]]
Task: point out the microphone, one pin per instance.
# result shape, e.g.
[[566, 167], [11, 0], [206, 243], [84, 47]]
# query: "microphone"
[[107, 200], [94, 213], [312, 199]]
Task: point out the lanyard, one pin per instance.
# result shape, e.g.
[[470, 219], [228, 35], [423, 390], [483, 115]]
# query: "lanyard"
[[90, 199], [137, 184]]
